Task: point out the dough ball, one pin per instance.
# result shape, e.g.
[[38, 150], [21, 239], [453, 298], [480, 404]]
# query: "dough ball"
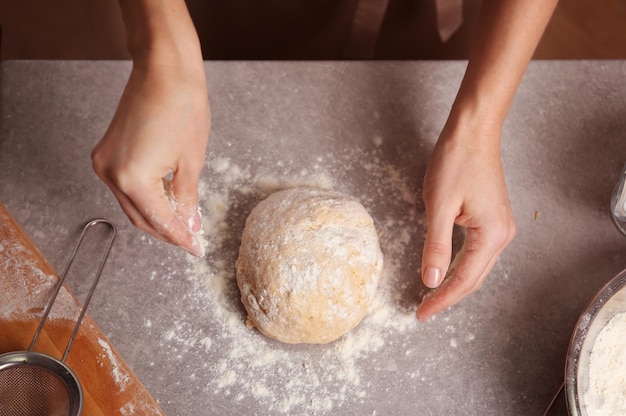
[[309, 265]]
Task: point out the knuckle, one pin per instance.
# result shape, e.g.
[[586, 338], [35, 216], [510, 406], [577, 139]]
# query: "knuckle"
[[98, 163], [474, 286], [123, 179], [437, 248], [139, 223], [467, 285], [502, 233]]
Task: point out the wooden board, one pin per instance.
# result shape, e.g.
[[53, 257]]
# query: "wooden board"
[[26, 283]]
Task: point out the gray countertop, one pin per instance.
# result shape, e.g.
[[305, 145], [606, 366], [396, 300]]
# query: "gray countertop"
[[365, 128]]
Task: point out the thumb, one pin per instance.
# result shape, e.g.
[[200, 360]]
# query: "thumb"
[[437, 252], [184, 189]]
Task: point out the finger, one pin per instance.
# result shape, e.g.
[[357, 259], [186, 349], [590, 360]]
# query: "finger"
[[131, 210], [154, 206], [469, 270], [135, 216], [437, 251], [185, 195]]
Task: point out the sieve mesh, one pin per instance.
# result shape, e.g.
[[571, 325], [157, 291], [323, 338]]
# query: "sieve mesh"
[[32, 391]]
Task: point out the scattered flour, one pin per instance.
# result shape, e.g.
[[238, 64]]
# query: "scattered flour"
[[128, 409], [25, 288], [121, 377], [606, 395], [261, 376]]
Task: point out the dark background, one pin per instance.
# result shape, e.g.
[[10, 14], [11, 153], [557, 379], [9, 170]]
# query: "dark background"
[[244, 29]]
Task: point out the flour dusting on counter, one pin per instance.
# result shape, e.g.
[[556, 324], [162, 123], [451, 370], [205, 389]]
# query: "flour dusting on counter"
[[255, 372]]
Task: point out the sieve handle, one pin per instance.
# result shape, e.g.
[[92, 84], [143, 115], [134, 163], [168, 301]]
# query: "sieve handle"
[[103, 260]]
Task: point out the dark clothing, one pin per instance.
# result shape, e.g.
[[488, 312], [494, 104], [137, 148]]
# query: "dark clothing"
[[323, 29]]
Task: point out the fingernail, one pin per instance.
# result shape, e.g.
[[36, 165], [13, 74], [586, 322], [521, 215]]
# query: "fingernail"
[[432, 277], [195, 222], [198, 246]]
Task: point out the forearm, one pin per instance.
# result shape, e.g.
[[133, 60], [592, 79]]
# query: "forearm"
[[161, 126], [161, 33], [508, 33]]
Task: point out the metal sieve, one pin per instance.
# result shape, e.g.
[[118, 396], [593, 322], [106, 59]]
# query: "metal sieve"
[[36, 384]]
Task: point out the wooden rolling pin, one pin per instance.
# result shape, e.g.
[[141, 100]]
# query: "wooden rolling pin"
[[26, 283]]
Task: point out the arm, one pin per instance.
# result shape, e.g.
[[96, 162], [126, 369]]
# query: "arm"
[[161, 126], [464, 182]]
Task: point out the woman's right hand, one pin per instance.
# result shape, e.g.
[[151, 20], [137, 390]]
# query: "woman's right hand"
[[154, 149]]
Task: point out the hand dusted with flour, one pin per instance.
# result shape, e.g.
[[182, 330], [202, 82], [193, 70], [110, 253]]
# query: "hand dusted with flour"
[[309, 265]]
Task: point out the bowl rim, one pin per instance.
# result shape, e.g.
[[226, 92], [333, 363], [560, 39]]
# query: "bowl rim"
[[579, 336]]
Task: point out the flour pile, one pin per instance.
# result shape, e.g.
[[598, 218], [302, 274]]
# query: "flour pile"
[[606, 395]]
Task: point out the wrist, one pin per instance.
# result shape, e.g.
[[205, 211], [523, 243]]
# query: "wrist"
[[481, 104], [473, 123]]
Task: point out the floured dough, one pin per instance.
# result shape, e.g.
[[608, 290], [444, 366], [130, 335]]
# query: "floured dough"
[[308, 266]]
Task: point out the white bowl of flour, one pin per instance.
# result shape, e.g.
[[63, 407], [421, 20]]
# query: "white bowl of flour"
[[595, 373]]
